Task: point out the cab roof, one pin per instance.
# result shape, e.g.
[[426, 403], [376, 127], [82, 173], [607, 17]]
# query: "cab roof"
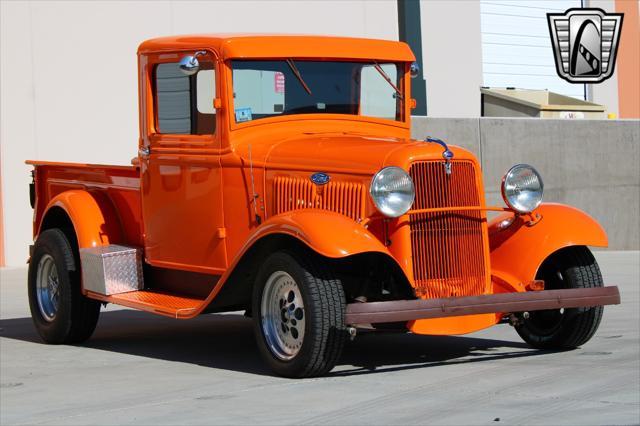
[[264, 46]]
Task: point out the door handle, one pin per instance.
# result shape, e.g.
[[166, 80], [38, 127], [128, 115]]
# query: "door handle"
[[144, 152]]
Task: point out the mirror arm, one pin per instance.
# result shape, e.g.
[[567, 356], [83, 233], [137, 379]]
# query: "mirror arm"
[[195, 56]]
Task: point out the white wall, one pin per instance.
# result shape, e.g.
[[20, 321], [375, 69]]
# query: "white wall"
[[605, 93], [452, 57], [68, 75]]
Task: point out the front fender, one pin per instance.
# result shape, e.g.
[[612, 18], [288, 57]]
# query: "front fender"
[[94, 219], [329, 234], [518, 250]]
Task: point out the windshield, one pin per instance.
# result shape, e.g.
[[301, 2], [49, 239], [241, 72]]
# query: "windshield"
[[282, 87]]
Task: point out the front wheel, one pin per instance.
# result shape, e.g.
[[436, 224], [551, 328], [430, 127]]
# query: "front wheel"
[[572, 267], [299, 308]]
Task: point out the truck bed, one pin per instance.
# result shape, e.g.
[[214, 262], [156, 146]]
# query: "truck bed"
[[118, 184], [173, 293]]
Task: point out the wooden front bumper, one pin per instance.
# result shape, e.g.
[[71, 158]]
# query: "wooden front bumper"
[[407, 310]]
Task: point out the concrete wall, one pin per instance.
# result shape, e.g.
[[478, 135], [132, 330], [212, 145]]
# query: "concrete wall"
[[590, 164], [68, 75]]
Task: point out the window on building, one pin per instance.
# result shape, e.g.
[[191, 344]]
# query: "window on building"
[[516, 46], [184, 104]]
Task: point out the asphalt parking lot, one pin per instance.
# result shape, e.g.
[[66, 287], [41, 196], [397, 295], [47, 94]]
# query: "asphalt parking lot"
[[143, 369]]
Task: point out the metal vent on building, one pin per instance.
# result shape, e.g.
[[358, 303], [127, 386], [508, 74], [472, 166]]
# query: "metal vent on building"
[[516, 46]]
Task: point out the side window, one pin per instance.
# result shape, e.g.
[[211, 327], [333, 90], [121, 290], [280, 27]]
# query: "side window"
[[184, 104], [377, 97]]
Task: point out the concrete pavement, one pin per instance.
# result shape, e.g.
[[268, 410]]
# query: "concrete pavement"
[[143, 369]]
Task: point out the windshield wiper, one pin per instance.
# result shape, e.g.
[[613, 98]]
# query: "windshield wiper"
[[296, 72], [386, 77]]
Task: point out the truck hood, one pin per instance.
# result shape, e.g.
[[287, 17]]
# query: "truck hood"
[[352, 154]]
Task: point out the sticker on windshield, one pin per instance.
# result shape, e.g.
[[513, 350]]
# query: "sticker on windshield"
[[243, 114]]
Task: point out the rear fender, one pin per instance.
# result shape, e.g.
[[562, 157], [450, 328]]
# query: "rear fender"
[[94, 219], [518, 250]]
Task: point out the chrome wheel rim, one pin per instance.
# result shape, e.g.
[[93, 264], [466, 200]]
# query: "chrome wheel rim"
[[282, 315], [48, 288]]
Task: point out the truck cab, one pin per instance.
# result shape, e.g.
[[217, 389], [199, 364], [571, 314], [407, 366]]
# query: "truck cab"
[[206, 137], [277, 175]]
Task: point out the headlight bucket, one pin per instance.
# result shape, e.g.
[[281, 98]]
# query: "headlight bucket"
[[522, 188], [392, 191]]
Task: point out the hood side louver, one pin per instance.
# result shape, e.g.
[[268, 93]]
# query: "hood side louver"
[[347, 198]]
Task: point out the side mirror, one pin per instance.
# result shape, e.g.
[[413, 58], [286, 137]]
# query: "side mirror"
[[190, 65], [414, 71]]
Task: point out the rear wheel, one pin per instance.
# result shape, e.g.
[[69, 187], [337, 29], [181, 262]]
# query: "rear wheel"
[[60, 313], [299, 308], [573, 267]]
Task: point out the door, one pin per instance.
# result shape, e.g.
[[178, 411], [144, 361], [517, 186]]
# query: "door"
[[180, 165]]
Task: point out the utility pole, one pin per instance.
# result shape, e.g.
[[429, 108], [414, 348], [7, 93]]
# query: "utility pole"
[[409, 31]]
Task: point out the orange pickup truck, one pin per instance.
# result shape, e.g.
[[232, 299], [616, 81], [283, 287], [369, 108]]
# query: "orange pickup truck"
[[277, 175]]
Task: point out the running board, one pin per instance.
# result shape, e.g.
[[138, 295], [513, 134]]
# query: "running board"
[[114, 274], [154, 301], [407, 310]]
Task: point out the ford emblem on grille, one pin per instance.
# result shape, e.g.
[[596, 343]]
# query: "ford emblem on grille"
[[320, 178]]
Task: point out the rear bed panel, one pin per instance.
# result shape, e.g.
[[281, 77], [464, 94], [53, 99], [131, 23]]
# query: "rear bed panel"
[[120, 184]]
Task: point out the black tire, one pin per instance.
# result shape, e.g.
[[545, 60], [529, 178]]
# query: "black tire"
[[76, 316], [572, 267], [324, 311]]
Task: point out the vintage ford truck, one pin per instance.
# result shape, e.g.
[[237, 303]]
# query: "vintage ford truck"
[[277, 175]]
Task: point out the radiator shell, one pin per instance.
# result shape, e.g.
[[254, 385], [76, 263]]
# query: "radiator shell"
[[449, 247], [111, 269]]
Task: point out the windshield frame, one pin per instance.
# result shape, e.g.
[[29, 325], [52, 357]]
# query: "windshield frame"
[[403, 84]]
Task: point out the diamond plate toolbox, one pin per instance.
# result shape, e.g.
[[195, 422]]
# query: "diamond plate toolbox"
[[111, 269]]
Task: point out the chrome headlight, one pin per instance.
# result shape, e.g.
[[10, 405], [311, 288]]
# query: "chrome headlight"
[[392, 191], [522, 188]]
